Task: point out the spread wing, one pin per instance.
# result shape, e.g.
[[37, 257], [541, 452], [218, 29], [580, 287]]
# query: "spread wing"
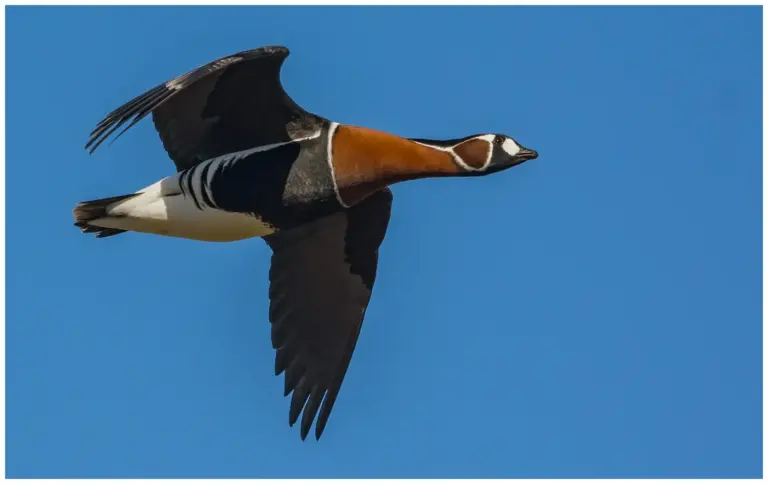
[[231, 104], [321, 279]]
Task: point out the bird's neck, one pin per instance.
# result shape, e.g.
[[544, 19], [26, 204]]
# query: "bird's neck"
[[366, 160]]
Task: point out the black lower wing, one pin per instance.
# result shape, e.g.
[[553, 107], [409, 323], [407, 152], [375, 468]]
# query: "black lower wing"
[[321, 279]]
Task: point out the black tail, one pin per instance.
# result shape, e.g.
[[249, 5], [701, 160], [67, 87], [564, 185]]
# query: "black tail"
[[85, 212]]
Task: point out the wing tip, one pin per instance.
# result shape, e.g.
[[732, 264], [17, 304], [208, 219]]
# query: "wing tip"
[[319, 427], [275, 50]]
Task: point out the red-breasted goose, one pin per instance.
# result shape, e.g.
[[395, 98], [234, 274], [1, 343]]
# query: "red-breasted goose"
[[252, 163]]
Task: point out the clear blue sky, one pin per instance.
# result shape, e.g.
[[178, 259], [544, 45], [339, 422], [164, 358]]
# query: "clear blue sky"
[[594, 313]]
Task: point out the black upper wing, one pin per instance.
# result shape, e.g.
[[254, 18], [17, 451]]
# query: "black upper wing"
[[231, 104], [321, 279]]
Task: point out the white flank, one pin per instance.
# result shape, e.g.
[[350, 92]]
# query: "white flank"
[[161, 209], [164, 209]]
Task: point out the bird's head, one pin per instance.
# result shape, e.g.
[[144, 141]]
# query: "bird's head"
[[483, 154]]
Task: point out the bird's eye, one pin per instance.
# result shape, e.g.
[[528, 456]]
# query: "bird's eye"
[[498, 139]]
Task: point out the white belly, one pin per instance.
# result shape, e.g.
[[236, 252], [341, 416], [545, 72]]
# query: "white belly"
[[160, 209]]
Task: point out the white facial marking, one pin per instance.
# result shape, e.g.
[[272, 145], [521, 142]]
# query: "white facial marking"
[[510, 147]]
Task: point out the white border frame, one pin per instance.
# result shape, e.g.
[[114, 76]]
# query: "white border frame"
[[349, 2]]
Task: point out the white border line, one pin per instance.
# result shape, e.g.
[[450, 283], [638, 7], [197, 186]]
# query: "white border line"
[[329, 156], [389, 2]]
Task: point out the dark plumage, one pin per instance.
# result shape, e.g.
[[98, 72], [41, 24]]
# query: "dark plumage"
[[228, 105], [252, 163]]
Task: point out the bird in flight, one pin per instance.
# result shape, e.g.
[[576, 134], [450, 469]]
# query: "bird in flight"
[[250, 162]]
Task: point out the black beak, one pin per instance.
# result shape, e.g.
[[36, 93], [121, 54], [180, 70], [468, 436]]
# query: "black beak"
[[525, 154]]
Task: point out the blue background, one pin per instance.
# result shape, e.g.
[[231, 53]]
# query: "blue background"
[[594, 313]]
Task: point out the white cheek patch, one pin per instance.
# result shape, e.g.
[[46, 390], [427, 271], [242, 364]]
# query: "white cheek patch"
[[510, 147]]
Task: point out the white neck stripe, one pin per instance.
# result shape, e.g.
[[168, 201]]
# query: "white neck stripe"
[[456, 157], [450, 151], [489, 138], [329, 157]]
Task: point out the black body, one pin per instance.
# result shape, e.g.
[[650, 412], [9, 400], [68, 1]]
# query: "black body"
[[324, 256]]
